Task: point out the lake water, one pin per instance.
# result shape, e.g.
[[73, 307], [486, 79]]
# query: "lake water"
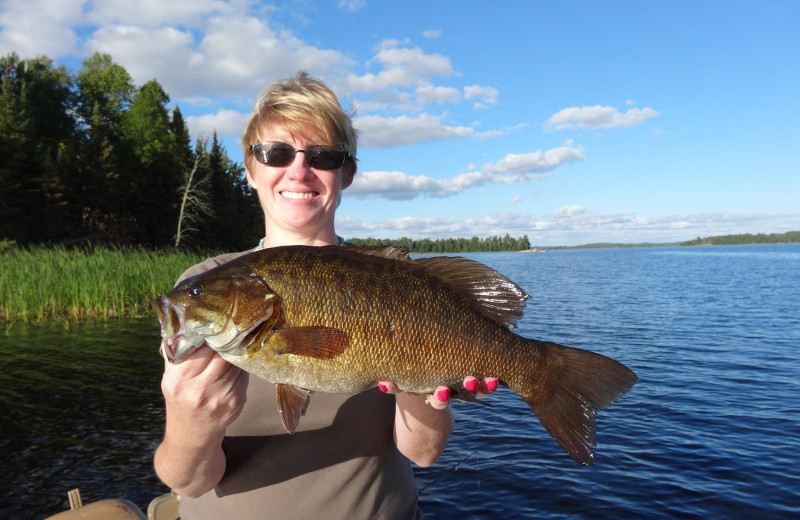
[[712, 429]]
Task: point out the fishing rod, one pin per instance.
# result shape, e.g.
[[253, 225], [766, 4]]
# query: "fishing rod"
[[445, 473]]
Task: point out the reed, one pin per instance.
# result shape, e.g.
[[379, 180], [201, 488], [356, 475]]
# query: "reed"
[[56, 283]]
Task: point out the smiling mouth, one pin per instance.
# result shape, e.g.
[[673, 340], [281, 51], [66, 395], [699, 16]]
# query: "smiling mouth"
[[294, 195]]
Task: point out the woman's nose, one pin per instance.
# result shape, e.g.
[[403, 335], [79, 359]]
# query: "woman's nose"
[[299, 168]]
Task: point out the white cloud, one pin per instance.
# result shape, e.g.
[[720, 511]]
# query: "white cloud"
[[512, 169], [146, 53], [219, 52], [432, 33], [155, 13], [394, 185], [236, 56], [430, 94], [517, 167], [224, 122], [34, 28], [396, 100], [597, 117], [402, 66], [387, 132], [569, 211], [487, 95], [352, 5]]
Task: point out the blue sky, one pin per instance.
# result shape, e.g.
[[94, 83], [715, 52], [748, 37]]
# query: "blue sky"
[[570, 122]]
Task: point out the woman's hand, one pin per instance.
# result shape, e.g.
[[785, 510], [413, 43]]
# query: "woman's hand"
[[440, 398], [204, 391]]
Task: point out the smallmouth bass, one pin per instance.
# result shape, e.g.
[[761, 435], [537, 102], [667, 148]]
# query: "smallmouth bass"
[[338, 319]]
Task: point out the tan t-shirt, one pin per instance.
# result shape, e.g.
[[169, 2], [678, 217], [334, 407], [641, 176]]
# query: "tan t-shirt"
[[341, 464]]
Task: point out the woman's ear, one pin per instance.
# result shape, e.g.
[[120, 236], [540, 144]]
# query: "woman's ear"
[[251, 180], [348, 173]]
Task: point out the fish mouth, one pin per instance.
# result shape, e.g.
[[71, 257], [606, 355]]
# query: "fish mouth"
[[175, 344]]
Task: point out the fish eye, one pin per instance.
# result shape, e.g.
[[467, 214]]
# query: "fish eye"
[[196, 289]]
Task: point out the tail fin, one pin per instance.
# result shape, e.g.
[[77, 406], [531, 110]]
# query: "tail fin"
[[567, 389]]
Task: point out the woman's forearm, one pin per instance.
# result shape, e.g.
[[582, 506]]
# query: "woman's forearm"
[[420, 430], [189, 468]]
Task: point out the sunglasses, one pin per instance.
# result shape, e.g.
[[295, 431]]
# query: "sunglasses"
[[274, 153]]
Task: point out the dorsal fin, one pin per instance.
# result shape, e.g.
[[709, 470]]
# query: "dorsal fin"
[[386, 251], [496, 296]]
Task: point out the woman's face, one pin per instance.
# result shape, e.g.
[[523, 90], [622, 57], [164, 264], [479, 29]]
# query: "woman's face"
[[296, 198]]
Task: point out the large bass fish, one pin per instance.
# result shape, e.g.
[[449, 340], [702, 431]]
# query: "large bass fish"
[[339, 319]]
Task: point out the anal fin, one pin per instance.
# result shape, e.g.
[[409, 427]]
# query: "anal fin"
[[465, 396], [292, 404]]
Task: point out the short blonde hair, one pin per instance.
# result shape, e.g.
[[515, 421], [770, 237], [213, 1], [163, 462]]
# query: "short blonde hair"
[[302, 105]]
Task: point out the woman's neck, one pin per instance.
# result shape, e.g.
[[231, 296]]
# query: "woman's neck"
[[275, 238]]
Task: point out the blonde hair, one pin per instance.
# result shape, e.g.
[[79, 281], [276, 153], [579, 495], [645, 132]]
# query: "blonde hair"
[[302, 105]]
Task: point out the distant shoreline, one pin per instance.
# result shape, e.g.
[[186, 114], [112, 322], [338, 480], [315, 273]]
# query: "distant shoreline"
[[476, 245], [790, 237]]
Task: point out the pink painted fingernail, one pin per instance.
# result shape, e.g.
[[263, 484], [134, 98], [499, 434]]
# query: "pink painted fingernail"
[[443, 395], [382, 388], [491, 385], [471, 385]]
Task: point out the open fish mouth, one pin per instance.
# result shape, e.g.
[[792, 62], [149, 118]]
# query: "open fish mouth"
[[178, 343]]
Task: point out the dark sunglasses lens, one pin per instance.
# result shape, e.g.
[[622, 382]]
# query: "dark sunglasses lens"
[[278, 154], [282, 154], [322, 159]]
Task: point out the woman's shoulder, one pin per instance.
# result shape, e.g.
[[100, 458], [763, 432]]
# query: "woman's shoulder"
[[209, 263]]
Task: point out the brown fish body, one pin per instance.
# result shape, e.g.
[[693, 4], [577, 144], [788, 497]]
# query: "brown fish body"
[[339, 320], [404, 325]]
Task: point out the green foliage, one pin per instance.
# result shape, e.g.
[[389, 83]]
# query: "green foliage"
[[238, 220], [747, 238], [91, 158], [151, 172], [106, 89], [451, 245], [37, 146], [43, 283]]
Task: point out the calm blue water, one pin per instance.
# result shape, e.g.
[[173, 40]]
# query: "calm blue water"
[[712, 429]]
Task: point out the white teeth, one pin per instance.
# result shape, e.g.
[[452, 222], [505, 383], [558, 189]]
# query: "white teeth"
[[296, 195]]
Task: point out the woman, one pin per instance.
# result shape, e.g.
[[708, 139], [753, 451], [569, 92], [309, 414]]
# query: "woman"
[[225, 449]]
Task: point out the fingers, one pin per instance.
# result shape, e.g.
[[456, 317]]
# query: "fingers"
[[203, 364], [387, 387], [481, 388], [440, 398], [205, 385]]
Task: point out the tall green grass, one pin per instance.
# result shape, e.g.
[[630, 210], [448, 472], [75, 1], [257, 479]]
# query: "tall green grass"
[[56, 283]]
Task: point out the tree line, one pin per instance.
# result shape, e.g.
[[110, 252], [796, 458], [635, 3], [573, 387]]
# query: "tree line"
[[451, 245], [746, 238], [88, 157]]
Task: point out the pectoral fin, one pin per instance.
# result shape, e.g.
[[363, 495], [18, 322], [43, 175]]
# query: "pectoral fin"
[[316, 342], [292, 404]]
